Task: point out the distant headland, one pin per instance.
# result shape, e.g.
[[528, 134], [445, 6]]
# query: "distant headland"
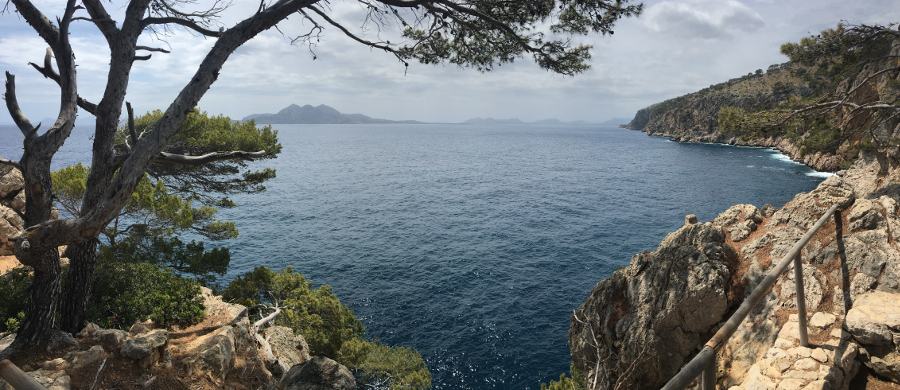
[[322, 114]]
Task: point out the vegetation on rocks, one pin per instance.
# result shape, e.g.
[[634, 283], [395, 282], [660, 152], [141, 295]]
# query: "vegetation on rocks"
[[835, 98], [328, 326]]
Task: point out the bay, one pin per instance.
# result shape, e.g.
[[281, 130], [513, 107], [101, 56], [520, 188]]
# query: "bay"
[[474, 243]]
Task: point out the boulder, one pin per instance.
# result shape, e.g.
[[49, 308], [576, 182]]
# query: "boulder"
[[213, 353], [736, 213], [874, 321], [110, 338], [88, 330], [11, 181], [866, 215], [653, 313], [83, 358], [287, 348], [141, 327], [318, 373], [146, 348]]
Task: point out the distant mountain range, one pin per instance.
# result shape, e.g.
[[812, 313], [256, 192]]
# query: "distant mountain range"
[[321, 114]]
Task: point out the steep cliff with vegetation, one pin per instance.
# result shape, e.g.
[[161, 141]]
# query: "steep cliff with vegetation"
[[797, 107], [835, 105]]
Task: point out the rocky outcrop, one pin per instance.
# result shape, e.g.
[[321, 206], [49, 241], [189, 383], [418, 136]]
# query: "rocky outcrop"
[[219, 351], [319, 373], [146, 348], [874, 320], [12, 207], [652, 314], [648, 319], [287, 349], [695, 117]]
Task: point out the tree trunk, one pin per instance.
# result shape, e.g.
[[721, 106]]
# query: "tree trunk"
[[42, 301], [77, 287]]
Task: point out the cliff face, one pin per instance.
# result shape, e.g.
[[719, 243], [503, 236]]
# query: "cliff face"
[[642, 324], [695, 117]]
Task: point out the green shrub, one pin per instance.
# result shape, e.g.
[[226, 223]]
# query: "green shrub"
[[403, 367], [124, 293], [14, 302], [317, 314], [575, 382], [329, 327]]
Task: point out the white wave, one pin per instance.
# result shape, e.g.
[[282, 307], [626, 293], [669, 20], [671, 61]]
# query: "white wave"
[[820, 174]]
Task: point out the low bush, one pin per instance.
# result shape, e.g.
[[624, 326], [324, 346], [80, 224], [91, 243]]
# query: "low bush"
[[329, 327], [14, 302], [124, 293]]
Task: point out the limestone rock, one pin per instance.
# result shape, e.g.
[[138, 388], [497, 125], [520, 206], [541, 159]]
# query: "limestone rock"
[[866, 215], [289, 349], [88, 330], [237, 316], [213, 353], [630, 312], [7, 340], [94, 354], [146, 348], [51, 379], [822, 320], [869, 251], [141, 327], [767, 210], [742, 230], [318, 373], [874, 321], [11, 181], [736, 213], [813, 279], [110, 338]]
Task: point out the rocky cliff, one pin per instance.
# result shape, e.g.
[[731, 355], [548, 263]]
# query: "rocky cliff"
[[223, 351], [695, 117], [642, 324]]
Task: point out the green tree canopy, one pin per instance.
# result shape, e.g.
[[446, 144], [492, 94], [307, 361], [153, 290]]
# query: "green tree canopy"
[[179, 197]]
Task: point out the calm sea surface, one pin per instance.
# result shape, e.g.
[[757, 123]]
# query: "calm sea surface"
[[473, 244]]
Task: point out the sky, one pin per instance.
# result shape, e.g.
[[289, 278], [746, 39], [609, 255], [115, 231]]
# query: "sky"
[[675, 47]]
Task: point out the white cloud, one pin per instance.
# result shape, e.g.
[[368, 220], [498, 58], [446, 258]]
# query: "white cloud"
[[702, 19]]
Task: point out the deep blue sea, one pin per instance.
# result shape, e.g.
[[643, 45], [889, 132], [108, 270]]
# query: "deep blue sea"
[[471, 243]]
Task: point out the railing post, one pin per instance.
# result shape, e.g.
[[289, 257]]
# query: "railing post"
[[801, 300], [708, 378]]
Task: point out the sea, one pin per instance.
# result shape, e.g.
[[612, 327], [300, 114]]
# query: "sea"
[[473, 244]]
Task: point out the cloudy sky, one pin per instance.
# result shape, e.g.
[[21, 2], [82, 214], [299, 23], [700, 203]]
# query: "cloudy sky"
[[675, 47]]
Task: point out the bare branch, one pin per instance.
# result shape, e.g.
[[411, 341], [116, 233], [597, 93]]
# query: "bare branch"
[[38, 21], [170, 158], [151, 49], [181, 22], [13, 106], [349, 34], [48, 72], [11, 163]]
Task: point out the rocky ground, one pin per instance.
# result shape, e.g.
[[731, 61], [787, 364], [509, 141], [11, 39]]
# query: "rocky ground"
[[224, 351], [642, 324]]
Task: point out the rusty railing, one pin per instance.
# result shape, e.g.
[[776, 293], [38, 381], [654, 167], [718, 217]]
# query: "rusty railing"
[[705, 361]]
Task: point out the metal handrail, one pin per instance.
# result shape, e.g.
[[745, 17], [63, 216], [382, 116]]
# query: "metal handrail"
[[18, 379], [706, 358]]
